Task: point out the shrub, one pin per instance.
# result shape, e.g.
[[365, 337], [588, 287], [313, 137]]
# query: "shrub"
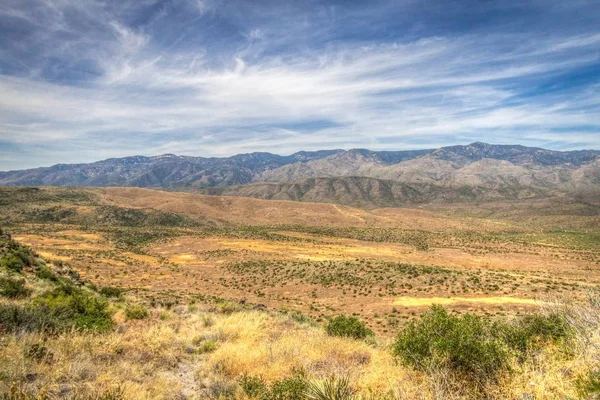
[[12, 263], [588, 386], [464, 345], [254, 387], [87, 311], [532, 331], [208, 346], [61, 309], [331, 389], [291, 388], [47, 274], [13, 288], [137, 312], [347, 327], [110, 291]]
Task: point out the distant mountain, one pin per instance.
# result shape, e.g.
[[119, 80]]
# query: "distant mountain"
[[355, 177], [370, 193], [165, 171]]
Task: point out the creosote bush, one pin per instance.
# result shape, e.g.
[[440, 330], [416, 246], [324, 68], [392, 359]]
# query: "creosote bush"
[[464, 345], [473, 348], [13, 288], [347, 327], [293, 387], [64, 308], [136, 312], [110, 291]]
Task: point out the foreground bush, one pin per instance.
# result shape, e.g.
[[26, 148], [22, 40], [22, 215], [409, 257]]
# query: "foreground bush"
[[464, 345], [13, 288], [532, 332], [136, 312], [61, 309], [291, 388], [347, 327]]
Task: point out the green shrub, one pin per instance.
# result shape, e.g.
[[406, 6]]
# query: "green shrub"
[[465, 345], [347, 327], [254, 387], [61, 309], [207, 346], [110, 291], [588, 386], [137, 312], [12, 263], [13, 288], [291, 388], [532, 331], [82, 309], [47, 274]]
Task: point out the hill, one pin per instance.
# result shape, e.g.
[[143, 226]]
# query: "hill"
[[370, 193]]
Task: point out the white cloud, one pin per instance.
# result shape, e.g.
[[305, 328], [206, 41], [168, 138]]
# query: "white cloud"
[[345, 95]]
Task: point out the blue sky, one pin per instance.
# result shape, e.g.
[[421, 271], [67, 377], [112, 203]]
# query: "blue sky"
[[86, 80]]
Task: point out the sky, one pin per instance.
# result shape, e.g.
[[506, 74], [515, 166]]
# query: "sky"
[[84, 80]]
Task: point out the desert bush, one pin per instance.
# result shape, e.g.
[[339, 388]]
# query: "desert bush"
[[464, 345], [332, 388], [47, 274], [347, 327], [588, 385], [13, 288], [291, 388], [532, 331], [111, 291], [207, 346], [61, 309], [12, 263], [136, 312], [76, 307], [253, 386]]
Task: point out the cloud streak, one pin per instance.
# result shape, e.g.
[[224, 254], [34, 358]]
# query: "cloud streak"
[[202, 78]]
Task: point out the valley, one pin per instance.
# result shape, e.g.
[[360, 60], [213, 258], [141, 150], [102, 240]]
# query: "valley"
[[384, 265]]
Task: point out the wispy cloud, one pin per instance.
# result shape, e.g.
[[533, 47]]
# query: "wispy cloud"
[[84, 80]]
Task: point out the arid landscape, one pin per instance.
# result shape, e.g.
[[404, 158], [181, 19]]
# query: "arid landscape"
[[385, 265]]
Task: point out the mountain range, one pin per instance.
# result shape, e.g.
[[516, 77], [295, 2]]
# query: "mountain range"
[[355, 177]]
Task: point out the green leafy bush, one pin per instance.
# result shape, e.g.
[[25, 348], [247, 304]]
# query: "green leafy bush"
[[137, 312], [12, 263], [465, 345], [291, 388], [347, 327], [47, 274], [13, 288], [110, 291], [61, 309], [253, 386], [81, 309], [532, 331]]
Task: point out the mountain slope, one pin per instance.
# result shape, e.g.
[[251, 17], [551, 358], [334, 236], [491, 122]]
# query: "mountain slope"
[[368, 192]]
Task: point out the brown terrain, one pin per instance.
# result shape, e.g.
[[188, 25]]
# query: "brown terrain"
[[386, 265]]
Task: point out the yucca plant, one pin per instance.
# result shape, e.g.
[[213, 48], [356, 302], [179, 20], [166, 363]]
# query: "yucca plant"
[[332, 388]]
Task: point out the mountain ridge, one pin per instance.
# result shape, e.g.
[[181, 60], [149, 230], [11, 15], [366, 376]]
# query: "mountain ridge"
[[353, 177]]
